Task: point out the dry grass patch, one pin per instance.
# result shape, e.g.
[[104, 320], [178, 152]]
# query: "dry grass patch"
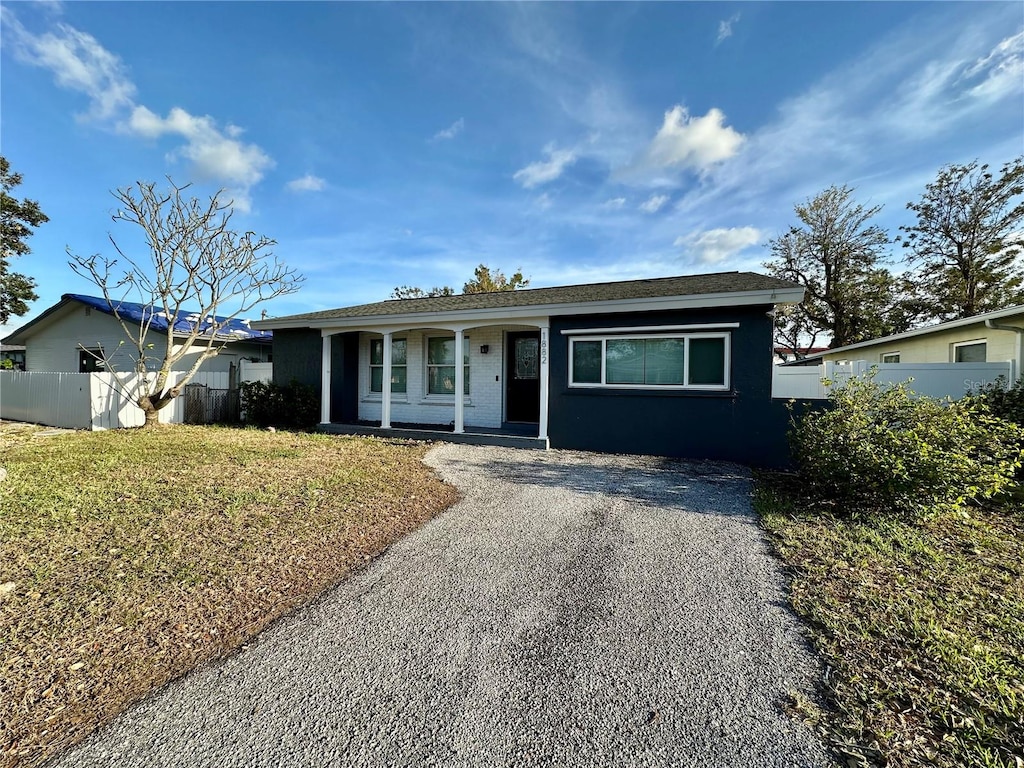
[[921, 625], [128, 557]]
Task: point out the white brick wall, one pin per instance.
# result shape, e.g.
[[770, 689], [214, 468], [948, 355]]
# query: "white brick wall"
[[484, 406]]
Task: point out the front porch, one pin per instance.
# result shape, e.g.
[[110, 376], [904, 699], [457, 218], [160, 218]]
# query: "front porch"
[[410, 380]]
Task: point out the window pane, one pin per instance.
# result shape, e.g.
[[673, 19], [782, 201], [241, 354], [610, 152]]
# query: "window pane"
[[441, 380], [971, 353], [586, 362], [376, 352], [663, 363], [441, 351], [624, 361], [376, 376], [891, 357], [398, 378], [397, 352], [707, 361], [465, 380]]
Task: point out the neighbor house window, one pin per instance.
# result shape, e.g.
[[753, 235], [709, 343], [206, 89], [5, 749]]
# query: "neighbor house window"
[[91, 361], [398, 365], [970, 352], [692, 361], [441, 365], [891, 357]]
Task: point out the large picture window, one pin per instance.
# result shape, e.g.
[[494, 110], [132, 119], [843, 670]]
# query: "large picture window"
[[691, 361], [441, 365], [399, 367]]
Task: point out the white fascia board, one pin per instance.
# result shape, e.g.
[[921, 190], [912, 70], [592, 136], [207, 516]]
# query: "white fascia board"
[[525, 314]]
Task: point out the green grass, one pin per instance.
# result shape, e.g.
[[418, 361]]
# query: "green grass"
[[128, 557], [920, 624]]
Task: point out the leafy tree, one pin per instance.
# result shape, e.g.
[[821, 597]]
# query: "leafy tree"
[[410, 292], [835, 254], [484, 281], [17, 219], [967, 241], [196, 262]]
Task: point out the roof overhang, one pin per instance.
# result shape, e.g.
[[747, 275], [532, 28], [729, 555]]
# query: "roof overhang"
[[937, 328], [518, 313]]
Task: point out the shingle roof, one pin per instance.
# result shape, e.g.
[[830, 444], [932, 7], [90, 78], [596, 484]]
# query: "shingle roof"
[[686, 285]]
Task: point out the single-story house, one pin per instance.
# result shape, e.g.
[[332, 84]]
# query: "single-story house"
[[992, 337], [68, 336], [677, 366]]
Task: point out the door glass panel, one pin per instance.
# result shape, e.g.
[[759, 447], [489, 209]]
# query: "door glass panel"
[[527, 358]]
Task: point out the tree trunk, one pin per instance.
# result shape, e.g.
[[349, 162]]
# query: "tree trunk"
[[152, 418]]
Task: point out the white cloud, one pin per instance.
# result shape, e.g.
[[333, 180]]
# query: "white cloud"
[[544, 171], [216, 155], [80, 63], [692, 142], [654, 203], [307, 183], [725, 28], [714, 246], [614, 203], [451, 131]]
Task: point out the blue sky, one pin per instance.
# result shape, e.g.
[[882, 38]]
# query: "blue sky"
[[387, 144]]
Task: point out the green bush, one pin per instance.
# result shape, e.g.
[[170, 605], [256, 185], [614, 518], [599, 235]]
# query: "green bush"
[[1006, 403], [294, 406], [880, 446]]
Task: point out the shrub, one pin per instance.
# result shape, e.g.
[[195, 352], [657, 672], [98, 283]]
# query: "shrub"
[[1006, 403], [294, 405], [884, 447]]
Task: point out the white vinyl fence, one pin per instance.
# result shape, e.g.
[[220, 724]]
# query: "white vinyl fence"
[[89, 400], [953, 380]]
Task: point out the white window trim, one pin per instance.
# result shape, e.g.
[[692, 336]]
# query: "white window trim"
[[656, 387], [370, 395], [957, 344], [883, 355], [437, 397]]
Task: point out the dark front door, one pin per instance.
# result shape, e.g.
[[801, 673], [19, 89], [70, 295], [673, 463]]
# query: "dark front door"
[[522, 376]]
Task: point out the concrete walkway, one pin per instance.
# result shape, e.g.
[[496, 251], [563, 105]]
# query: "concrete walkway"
[[573, 610]]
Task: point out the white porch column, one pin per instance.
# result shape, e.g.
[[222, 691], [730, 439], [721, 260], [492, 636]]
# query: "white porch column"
[[459, 383], [545, 366], [325, 382], [385, 385]]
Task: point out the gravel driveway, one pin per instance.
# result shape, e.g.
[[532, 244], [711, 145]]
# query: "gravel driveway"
[[573, 610]]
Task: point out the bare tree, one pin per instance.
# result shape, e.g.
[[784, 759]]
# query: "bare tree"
[[199, 276]]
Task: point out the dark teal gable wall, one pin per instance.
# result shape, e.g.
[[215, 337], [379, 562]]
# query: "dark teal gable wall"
[[743, 425]]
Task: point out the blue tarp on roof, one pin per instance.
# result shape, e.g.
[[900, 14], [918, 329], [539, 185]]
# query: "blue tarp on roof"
[[134, 312]]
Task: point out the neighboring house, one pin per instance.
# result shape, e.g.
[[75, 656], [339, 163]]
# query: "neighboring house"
[[789, 354], [15, 353], [68, 335], [677, 366], [993, 337]]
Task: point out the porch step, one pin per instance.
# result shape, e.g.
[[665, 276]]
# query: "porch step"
[[469, 438]]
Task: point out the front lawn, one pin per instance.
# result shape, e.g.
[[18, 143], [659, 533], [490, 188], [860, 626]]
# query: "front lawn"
[[920, 625], [128, 557]]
